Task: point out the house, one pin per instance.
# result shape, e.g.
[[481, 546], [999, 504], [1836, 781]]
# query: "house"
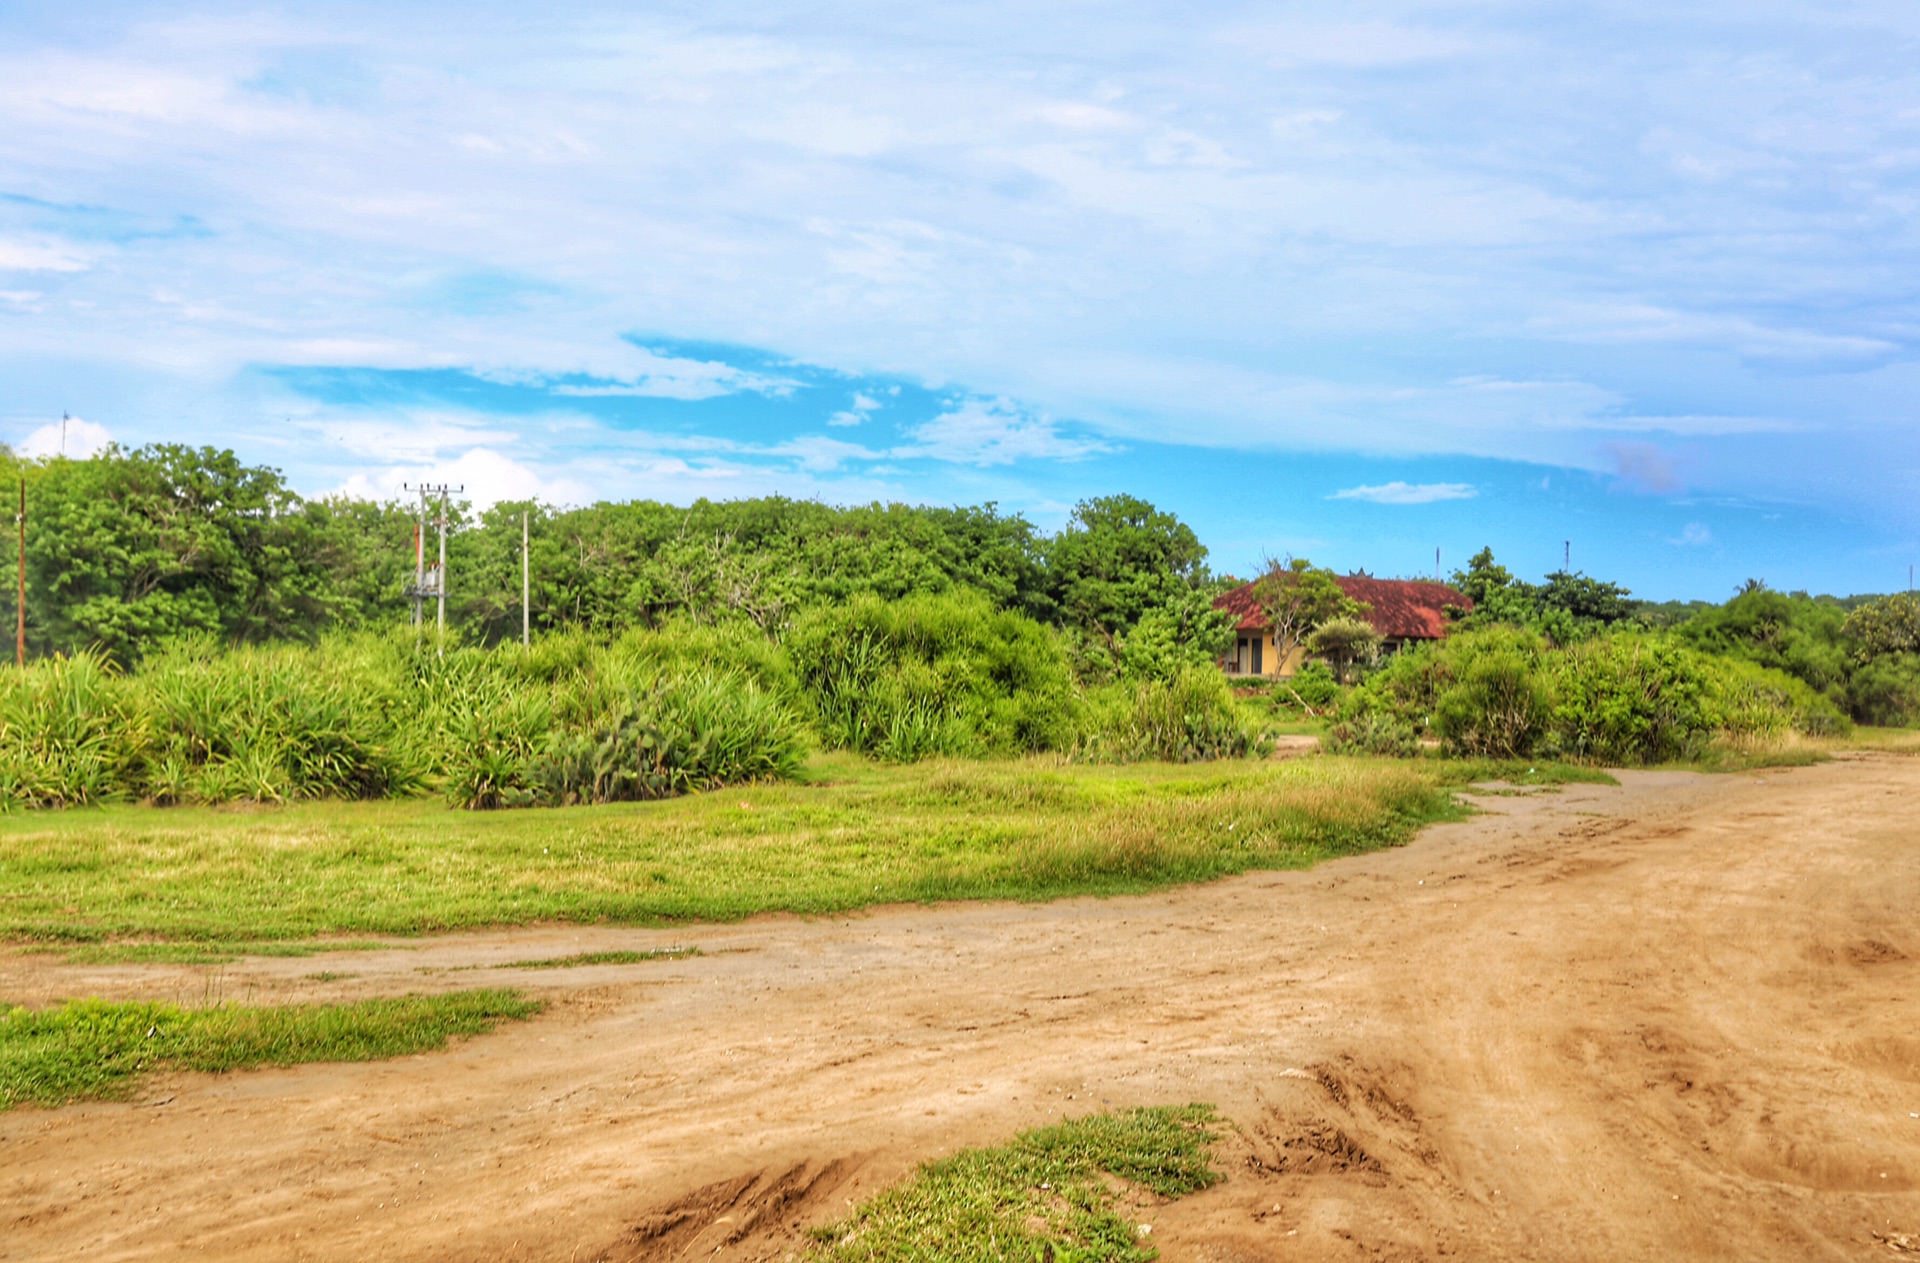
[[1404, 612]]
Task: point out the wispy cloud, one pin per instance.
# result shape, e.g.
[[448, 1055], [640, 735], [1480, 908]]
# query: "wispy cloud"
[[1692, 535], [994, 432], [1408, 493]]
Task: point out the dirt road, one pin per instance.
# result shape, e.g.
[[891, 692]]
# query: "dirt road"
[[1677, 1019]]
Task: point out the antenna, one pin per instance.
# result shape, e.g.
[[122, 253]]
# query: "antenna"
[[1436, 565], [1566, 556]]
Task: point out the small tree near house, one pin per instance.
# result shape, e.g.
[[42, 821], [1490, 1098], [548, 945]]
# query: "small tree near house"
[[1295, 597], [1343, 642]]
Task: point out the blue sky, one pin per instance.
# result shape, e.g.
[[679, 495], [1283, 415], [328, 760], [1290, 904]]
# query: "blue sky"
[[1355, 284]]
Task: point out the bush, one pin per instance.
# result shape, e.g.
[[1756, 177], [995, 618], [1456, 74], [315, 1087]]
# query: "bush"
[[1498, 706], [947, 675], [1182, 720], [1313, 684], [1757, 705], [1372, 733], [1632, 700], [1886, 691], [1625, 698]]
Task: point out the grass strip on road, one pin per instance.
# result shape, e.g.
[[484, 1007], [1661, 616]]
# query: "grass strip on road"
[[1040, 1197], [91, 1049], [603, 958], [860, 834]]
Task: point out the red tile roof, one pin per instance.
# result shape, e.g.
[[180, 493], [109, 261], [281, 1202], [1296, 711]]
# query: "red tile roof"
[[1403, 609]]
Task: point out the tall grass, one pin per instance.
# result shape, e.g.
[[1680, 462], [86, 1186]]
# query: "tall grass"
[[371, 717], [575, 719]]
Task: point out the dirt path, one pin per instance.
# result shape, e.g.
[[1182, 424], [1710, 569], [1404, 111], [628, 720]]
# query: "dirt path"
[[1678, 1019]]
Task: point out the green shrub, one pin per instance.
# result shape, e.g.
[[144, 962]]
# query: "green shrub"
[[928, 675], [1759, 705], [1313, 684], [1181, 720], [1498, 705], [66, 736], [1886, 691], [1632, 700], [1371, 732]]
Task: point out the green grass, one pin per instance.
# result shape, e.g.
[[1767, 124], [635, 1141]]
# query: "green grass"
[[857, 834], [91, 1049], [204, 952], [1518, 772], [603, 958], [1040, 1198]]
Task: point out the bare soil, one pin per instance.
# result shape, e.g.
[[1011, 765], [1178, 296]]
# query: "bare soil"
[[1676, 1019]]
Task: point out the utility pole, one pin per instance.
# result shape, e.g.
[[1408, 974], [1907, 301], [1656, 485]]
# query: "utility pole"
[[431, 583], [526, 586], [1436, 565], [20, 624], [1566, 557]]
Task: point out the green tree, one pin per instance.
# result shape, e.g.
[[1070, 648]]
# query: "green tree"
[[1889, 625], [1344, 642], [1295, 596], [1117, 558]]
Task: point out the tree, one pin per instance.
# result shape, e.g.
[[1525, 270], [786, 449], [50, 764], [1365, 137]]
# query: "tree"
[[1344, 641], [1295, 596], [1187, 631], [1117, 558], [1889, 625], [1569, 606]]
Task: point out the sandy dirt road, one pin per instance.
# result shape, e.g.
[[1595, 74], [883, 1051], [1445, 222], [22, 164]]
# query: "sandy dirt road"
[[1679, 1019]]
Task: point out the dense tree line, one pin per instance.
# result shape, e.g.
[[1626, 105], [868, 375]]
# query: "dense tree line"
[[1861, 654], [131, 550]]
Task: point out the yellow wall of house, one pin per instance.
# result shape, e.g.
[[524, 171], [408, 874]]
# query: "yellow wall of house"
[[1270, 665]]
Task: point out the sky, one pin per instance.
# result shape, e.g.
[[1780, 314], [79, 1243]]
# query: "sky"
[[1632, 284]]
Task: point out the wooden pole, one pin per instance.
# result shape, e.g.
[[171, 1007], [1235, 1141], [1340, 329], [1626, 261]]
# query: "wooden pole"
[[20, 624], [526, 585]]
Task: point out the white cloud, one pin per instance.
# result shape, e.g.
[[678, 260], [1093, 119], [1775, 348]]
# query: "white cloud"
[[484, 477], [71, 437], [1408, 493], [20, 255], [1692, 535], [857, 412], [994, 432]]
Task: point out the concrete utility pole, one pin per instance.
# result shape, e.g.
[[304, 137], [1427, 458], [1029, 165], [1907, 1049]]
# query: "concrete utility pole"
[[20, 625], [431, 583], [526, 585]]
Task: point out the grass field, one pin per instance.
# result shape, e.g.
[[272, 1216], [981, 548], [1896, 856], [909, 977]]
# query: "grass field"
[[190, 883], [91, 1048], [1040, 1197]]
